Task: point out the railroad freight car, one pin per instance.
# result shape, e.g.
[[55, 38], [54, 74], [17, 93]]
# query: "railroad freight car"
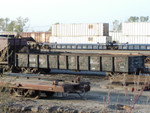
[[9, 34], [134, 47], [78, 46], [36, 87], [80, 62], [8, 47], [108, 46]]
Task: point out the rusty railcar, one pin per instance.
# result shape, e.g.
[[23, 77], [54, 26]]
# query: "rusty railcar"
[[34, 87], [81, 62]]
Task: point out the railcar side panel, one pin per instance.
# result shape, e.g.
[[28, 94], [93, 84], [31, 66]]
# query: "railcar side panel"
[[72, 62], [43, 61], [53, 61], [33, 60], [107, 63], [121, 64], [95, 63], [83, 63], [22, 60], [62, 62], [136, 64]]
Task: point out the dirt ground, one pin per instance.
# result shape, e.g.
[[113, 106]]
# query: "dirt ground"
[[100, 99]]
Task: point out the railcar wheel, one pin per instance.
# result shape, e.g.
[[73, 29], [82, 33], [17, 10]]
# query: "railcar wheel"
[[49, 94], [34, 94]]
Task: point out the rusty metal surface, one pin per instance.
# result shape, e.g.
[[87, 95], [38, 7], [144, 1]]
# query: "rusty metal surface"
[[43, 85]]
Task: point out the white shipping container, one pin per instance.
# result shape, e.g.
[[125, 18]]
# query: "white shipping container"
[[135, 39], [116, 36], [80, 40], [136, 29], [78, 30]]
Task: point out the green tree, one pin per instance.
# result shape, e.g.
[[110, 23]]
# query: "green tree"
[[144, 18], [13, 25], [138, 19], [6, 23], [117, 26], [20, 24], [133, 19], [2, 24]]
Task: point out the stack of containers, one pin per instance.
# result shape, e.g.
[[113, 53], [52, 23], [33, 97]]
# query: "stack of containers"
[[80, 33], [136, 33]]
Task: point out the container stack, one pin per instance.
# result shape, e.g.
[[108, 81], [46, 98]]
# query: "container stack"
[[80, 33], [136, 33]]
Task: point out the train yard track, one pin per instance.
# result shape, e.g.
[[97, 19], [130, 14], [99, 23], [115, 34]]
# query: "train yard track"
[[102, 93]]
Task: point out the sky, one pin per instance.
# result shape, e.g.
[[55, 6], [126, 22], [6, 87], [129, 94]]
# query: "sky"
[[43, 13]]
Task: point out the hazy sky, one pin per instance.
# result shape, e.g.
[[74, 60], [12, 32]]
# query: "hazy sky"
[[43, 13]]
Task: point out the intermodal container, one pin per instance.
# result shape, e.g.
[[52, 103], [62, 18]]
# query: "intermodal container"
[[79, 30], [135, 39], [136, 29], [81, 40]]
